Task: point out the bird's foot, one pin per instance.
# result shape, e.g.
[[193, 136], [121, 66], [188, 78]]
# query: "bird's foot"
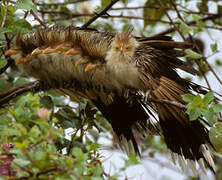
[[61, 47], [72, 51], [90, 66], [19, 61], [81, 61], [36, 52], [27, 58], [48, 50]]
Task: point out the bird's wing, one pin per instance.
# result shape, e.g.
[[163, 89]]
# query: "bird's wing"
[[182, 136], [172, 50]]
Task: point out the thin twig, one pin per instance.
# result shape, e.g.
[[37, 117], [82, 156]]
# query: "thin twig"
[[104, 11], [9, 62], [204, 59], [105, 17], [181, 34], [158, 7], [174, 24], [210, 27], [37, 18], [4, 17], [193, 22], [60, 3]]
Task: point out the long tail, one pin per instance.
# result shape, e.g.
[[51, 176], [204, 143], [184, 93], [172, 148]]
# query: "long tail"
[[182, 136], [125, 117]]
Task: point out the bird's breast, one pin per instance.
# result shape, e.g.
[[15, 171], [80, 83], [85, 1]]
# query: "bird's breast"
[[126, 73]]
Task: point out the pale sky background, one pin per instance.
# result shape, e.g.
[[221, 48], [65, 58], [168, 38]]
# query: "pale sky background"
[[150, 169]]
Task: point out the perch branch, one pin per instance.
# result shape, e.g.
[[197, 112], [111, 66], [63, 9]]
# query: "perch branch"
[[34, 87]]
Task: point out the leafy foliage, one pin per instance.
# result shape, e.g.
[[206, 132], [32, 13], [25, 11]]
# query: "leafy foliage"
[[34, 127], [202, 106]]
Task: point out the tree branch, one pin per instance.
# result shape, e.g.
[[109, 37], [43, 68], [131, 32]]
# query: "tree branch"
[[9, 63], [37, 18], [181, 34], [75, 15], [4, 16], [193, 22], [12, 93], [61, 3], [100, 14]]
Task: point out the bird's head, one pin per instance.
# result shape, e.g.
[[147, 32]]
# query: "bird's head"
[[124, 44]]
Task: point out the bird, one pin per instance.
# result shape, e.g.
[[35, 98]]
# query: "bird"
[[116, 71]]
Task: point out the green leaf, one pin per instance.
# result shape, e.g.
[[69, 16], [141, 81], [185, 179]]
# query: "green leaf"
[[185, 28], [214, 48], [200, 24], [67, 124], [152, 13], [197, 102], [3, 62], [97, 178], [188, 97], [219, 9], [215, 135], [17, 26], [217, 108], [208, 98], [194, 114], [124, 2], [47, 102], [97, 171], [192, 54], [210, 115], [202, 6], [21, 162], [204, 66], [196, 16], [26, 5], [77, 152], [104, 3]]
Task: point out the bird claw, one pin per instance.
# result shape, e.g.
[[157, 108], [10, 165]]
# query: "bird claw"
[[36, 52], [48, 50], [60, 47], [27, 58], [19, 61], [72, 52], [10, 52], [80, 61], [90, 66]]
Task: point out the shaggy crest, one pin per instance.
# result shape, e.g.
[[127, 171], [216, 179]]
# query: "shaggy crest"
[[124, 38]]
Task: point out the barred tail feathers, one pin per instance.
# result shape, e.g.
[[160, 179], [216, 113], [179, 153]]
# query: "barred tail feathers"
[[182, 136]]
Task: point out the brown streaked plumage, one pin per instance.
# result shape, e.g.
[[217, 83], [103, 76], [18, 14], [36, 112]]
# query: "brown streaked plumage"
[[116, 68], [151, 70]]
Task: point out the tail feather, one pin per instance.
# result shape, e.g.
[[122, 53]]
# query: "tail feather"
[[124, 116], [182, 136]]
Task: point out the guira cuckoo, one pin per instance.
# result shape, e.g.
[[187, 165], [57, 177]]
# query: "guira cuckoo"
[[113, 69]]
